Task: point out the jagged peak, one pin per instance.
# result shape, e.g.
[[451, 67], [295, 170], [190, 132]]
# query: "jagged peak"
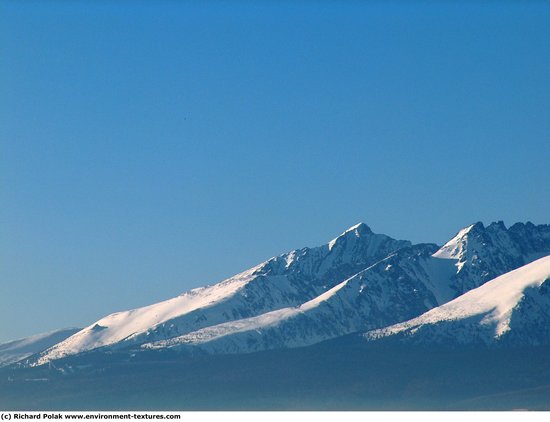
[[529, 225], [497, 224], [358, 230], [454, 247], [472, 228], [493, 303], [476, 227], [500, 225]]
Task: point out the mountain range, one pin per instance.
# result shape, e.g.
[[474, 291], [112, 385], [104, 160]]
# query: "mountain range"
[[488, 287]]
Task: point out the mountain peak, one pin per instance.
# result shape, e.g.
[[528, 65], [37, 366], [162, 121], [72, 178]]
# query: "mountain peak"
[[455, 247], [487, 313], [358, 230], [476, 227], [498, 224], [378, 280]]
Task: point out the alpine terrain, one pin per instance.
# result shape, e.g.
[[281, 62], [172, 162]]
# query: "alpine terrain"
[[335, 315], [18, 350]]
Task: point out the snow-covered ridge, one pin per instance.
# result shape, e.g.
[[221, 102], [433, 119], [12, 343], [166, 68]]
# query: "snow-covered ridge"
[[260, 322], [358, 230], [482, 253], [370, 298], [358, 281], [123, 325], [454, 248], [485, 313], [18, 350], [285, 281], [395, 288]]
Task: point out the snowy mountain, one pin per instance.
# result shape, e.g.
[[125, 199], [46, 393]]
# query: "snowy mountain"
[[512, 309], [411, 279], [17, 350], [284, 281], [392, 290], [359, 281], [387, 324], [483, 253]]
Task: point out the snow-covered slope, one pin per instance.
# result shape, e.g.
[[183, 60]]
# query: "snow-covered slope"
[[284, 281], [17, 350], [483, 253], [405, 284], [514, 308], [358, 281]]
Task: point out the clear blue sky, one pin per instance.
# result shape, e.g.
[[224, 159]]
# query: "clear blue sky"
[[150, 147]]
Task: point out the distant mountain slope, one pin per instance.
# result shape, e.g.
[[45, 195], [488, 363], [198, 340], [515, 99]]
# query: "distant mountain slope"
[[483, 253], [511, 309], [410, 280], [17, 350], [391, 290], [287, 280], [359, 281]]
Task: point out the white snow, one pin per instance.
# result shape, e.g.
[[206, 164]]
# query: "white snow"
[[216, 331], [257, 323], [270, 293], [20, 349], [496, 298], [123, 325], [324, 297], [350, 230], [455, 247], [290, 258], [264, 289]]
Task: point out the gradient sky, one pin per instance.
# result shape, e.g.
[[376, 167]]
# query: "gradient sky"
[[150, 147]]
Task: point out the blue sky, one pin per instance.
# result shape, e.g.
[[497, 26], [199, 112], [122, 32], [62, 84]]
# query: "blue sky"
[[150, 147]]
